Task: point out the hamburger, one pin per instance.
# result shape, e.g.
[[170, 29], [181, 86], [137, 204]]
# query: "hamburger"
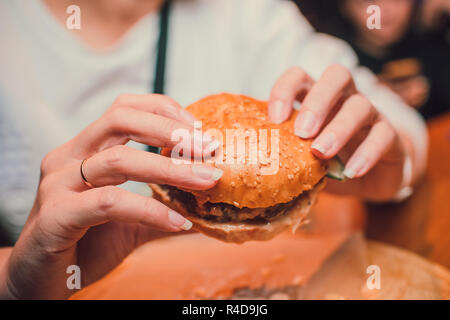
[[257, 197]]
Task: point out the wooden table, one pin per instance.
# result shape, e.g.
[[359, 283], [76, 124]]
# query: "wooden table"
[[335, 269], [422, 223]]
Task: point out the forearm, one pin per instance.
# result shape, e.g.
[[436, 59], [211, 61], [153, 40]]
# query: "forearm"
[[5, 294]]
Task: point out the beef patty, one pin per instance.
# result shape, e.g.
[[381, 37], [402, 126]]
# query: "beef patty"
[[224, 212]]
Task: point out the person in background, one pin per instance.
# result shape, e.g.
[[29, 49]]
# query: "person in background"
[[407, 58], [435, 17]]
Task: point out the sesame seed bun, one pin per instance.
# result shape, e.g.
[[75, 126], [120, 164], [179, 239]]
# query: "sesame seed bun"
[[284, 185], [298, 169]]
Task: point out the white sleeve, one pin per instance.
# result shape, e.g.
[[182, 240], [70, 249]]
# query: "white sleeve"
[[281, 38]]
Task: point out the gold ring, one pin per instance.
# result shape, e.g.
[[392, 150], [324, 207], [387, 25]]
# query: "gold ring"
[[83, 176]]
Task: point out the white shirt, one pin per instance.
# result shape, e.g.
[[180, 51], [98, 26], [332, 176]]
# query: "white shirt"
[[52, 85]]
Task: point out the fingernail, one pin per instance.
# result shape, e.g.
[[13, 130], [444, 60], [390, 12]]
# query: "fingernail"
[[206, 172], [211, 147], [201, 141], [277, 111], [207, 139], [354, 167], [178, 220], [186, 115], [324, 142], [297, 105], [305, 124]]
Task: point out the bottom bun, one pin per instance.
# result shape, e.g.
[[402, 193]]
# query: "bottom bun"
[[239, 232]]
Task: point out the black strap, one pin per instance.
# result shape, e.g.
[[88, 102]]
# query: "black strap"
[[160, 70], [160, 67]]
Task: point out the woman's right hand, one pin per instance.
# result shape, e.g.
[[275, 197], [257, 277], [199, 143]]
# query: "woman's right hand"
[[95, 228]]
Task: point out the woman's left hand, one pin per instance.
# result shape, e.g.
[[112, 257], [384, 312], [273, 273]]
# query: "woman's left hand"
[[343, 123]]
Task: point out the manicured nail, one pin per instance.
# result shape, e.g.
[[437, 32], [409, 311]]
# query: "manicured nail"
[[203, 141], [305, 124], [277, 111], [178, 220], [297, 105], [207, 139], [354, 167], [211, 147], [186, 115], [324, 142], [206, 172]]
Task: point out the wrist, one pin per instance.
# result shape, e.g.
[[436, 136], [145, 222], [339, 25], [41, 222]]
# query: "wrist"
[[5, 292]]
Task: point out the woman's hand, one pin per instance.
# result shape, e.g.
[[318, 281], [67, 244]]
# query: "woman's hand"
[[72, 224], [343, 122]]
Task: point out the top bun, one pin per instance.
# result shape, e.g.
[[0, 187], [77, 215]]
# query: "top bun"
[[248, 185]]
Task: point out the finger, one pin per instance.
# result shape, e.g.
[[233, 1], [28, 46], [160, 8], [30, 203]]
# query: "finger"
[[292, 85], [120, 163], [124, 124], [380, 139], [155, 103], [356, 113], [100, 205], [335, 84]]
